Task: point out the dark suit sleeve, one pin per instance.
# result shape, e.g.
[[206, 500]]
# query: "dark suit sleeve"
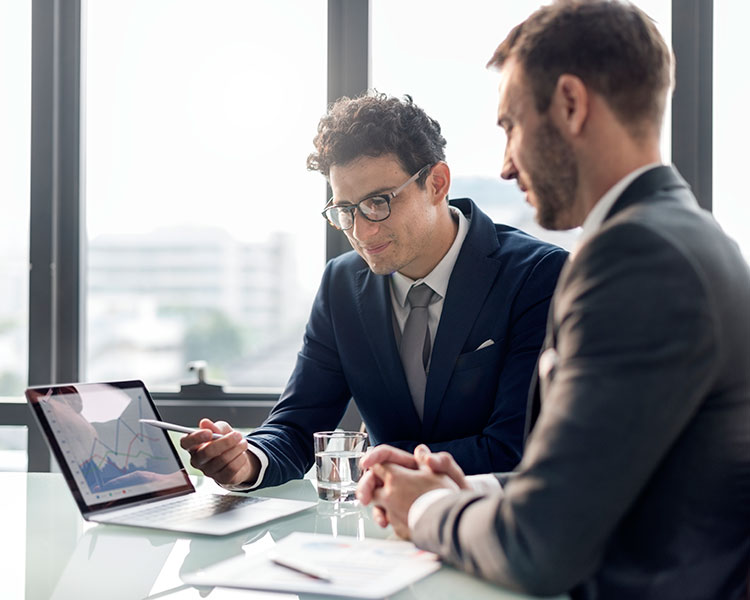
[[636, 336], [499, 445], [314, 399]]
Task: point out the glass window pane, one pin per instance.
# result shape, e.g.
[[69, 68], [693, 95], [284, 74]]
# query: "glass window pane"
[[204, 238], [730, 127], [15, 125], [13, 446], [440, 63]]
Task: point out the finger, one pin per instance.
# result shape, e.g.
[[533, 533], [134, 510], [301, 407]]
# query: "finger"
[[388, 474], [444, 463], [385, 453], [380, 497], [382, 472], [192, 440], [379, 516], [221, 427], [203, 454], [236, 470], [223, 468], [421, 454], [366, 486]]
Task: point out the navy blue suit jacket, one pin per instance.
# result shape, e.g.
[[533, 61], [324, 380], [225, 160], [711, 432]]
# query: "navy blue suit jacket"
[[475, 400]]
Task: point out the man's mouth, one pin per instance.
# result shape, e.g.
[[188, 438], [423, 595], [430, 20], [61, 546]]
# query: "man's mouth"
[[376, 248], [525, 191]]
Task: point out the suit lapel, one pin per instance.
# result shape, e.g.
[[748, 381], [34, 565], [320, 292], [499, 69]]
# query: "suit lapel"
[[534, 402], [376, 316], [657, 179], [471, 280]]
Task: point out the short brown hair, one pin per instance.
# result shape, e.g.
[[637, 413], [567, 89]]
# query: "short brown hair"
[[375, 124], [612, 46]]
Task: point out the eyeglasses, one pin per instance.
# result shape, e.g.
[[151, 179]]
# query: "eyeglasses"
[[373, 208]]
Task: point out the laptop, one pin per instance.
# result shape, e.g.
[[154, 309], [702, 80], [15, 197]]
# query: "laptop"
[[125, 472]]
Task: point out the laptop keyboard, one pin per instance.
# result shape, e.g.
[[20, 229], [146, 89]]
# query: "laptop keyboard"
[[189, 508]]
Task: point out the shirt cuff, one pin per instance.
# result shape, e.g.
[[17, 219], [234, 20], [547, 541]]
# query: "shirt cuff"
[[483, 484], [421, 504], [245, 487]]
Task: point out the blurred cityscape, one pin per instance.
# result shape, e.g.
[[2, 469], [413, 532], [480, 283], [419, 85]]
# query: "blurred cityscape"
[[157, 301]]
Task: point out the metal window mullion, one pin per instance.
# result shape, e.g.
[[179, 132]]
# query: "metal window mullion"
[[348, 74], [55, 224], [692, 103]]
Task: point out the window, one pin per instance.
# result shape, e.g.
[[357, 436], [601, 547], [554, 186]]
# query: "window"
[[440, 64], [204, 238], [730, 130], [15, 125]]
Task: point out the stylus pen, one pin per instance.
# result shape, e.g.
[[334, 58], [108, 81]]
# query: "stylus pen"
[[174, 427], [302, 567]]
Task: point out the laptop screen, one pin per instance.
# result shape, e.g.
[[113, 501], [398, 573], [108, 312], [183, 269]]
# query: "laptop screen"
[[107, 456]]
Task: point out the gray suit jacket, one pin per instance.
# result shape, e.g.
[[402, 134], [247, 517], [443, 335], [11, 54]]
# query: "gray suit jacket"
[[635, 480]]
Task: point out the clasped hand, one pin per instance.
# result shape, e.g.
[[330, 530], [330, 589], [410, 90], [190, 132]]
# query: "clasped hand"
[[394, 479]]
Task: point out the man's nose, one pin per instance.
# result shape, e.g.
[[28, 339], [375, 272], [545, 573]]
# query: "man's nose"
[[363, 229], [509, 170]]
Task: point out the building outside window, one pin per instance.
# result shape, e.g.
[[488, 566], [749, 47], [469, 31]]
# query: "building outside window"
[[15, 138], [204, 238]]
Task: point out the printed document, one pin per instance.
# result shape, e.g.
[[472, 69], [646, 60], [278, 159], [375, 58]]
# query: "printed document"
[[386, 566]]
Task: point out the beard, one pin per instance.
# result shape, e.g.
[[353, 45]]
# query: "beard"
[[553, 178]]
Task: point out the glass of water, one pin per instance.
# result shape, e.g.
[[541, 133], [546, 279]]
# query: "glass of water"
[[337, 455]]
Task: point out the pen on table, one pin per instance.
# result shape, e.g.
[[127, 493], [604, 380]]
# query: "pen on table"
[[302, 567], [174, 427]]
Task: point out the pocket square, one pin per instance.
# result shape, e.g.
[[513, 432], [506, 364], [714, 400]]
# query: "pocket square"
[[484, 344], [547, 362]]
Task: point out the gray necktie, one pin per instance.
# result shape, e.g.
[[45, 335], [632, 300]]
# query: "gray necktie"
[[415, 343]]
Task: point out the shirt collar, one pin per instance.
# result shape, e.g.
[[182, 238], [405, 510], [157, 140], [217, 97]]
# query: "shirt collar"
[[596, 216], [439, 277]]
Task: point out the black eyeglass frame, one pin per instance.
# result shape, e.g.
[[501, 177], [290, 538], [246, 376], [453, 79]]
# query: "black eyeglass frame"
[[351, 208]]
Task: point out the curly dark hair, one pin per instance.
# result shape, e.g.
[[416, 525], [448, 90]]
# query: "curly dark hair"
[[375, 124]]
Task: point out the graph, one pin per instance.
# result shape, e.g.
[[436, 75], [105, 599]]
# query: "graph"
[[107, 463], [112, 454]]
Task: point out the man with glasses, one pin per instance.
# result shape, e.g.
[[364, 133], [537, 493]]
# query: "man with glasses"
[[432, 325]]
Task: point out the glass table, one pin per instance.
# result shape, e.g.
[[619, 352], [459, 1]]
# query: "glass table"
[[50, 552]]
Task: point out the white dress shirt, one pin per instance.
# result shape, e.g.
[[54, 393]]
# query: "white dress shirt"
[[596, 216], [437, 280], [484, 484]]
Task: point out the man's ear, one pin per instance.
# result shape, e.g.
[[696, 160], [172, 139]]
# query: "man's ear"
[[569, 107], [439, 181]]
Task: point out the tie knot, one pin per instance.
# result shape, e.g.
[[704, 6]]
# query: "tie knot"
[[420, 295]]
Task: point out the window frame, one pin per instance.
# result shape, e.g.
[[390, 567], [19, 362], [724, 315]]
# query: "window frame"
[[57, 242]]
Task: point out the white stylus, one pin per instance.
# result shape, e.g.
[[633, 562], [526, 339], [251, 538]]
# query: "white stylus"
[[174, 427]]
